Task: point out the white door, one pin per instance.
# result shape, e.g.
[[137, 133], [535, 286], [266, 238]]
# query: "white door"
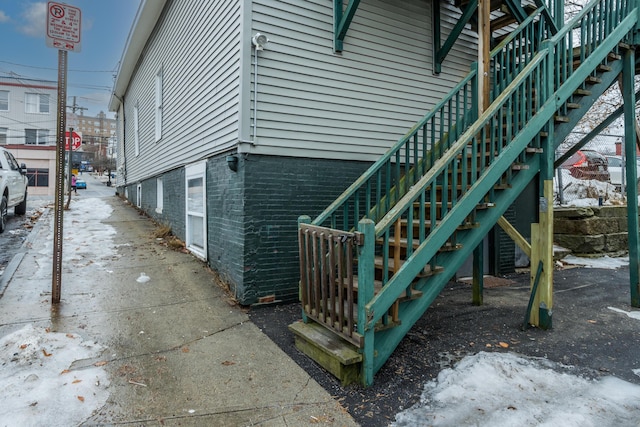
[[196, 210]]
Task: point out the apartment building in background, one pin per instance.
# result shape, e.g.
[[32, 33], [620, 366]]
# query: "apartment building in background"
[[98, 135], [28, 128]]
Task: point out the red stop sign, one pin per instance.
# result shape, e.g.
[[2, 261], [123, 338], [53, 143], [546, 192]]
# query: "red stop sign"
[[76, 141]]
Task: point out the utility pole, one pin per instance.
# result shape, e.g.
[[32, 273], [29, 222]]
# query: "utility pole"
[[73, 107]]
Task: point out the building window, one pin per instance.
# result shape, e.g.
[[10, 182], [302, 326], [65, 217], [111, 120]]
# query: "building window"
[[36, 136], [3, 136], [4, 100], [38, 177], [159, 195], [36, 103], [139, 195], [159, 106], [136, 131]]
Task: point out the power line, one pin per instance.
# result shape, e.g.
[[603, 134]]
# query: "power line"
[[55, 69]]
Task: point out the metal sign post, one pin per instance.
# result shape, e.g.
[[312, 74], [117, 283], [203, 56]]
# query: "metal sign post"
[[69, 150], [63, 33], [56, 282]]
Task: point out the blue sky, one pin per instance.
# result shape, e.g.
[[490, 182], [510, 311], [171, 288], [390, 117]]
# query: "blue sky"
[[105, 27]]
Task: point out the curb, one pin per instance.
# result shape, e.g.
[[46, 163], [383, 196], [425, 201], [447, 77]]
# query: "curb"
[[15, 262]]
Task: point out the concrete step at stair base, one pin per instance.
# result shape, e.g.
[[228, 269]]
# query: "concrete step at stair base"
[[328, 350]]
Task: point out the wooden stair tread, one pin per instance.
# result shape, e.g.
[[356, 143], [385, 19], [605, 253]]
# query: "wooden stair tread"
[[403, 242], [427, 224], [426, 270], [377, 287]]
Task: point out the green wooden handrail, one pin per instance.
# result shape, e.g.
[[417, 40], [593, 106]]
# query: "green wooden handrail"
[[503, 151], [393, 157]]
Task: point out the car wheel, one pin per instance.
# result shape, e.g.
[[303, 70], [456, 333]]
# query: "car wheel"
[[3, 214], [21, 209]]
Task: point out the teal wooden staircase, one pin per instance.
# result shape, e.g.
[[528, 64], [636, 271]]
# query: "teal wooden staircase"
[[373, 262]]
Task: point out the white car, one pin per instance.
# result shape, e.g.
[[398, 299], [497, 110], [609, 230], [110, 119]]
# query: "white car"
[[13, 186], [616, 171]]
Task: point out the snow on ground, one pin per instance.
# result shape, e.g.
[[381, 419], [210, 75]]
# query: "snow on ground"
[[39, 383], [600, 262], [504, 389], [585, 192], [87, 241]]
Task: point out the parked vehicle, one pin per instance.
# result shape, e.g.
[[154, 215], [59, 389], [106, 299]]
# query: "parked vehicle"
[[587, 164], [13, 186], [617, 171], [81, 184]]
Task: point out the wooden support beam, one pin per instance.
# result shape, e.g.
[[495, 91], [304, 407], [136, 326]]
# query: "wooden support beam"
[[440, 52], [542, 251], [341, 21], [545, 242], [534, 318], [515, 236]]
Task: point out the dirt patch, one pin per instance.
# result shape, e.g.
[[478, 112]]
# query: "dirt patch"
[[489, 281]]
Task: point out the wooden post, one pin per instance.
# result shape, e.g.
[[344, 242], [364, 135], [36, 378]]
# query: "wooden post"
[[628, 94], [366, 273], [545, 242], [484, 83], [484, 53], [542, 232]]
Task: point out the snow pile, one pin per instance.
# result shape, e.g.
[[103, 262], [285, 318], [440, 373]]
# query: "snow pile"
[[502, 389], [39, 384], [585, 192]]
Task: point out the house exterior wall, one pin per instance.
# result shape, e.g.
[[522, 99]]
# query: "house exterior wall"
[[226, 211], [355, 104], [278, 191], [195, 50], [322, 118]]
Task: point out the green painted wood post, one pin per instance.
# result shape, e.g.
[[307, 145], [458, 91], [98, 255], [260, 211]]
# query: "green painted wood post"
[[559, 13], [302, 219], [366, 274], [628, 96], [478, 274], [475, 95]]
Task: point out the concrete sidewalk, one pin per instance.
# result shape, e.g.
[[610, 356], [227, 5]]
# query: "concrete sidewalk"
[[178, 351]]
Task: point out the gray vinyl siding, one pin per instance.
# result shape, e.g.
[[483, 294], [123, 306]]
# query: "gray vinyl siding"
[[196, 47], [313, 102]]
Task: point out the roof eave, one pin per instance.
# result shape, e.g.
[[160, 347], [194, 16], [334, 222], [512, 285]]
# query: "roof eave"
[[143, 24]]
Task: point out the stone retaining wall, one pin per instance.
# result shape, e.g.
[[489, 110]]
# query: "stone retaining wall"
[[592, 230]]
